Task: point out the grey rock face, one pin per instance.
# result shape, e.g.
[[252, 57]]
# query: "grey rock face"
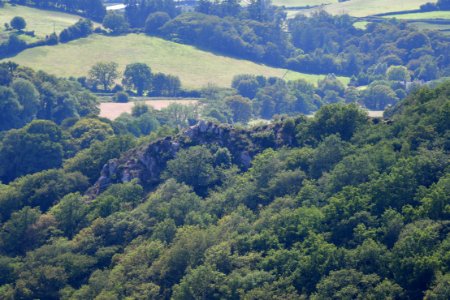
[[147, 162]]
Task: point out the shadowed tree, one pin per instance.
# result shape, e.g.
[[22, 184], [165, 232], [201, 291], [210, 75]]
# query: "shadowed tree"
[[137, 76], [104, 73]]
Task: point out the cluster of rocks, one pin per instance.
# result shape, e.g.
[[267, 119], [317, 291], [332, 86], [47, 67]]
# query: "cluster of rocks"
[[146, 163]]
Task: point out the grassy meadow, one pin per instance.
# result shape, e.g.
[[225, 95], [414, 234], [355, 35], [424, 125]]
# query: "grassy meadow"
[[361, 25], [443, 28], [364, 8], [42, 22], [430, 15], [196, 68], [300, 3]]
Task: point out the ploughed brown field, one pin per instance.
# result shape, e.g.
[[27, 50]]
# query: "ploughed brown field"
[[113, 110]]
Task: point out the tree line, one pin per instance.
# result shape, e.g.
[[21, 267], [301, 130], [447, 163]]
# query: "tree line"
[[137, 79]]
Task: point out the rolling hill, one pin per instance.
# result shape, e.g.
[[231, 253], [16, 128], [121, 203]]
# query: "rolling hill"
[[196, 68], [42, 22], [363, 8]]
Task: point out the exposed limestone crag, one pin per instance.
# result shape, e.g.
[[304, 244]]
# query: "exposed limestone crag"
[[146, 163]]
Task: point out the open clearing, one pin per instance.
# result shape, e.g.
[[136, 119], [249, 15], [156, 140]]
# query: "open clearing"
[[443, 28], [361, 25], [42, 22], [302, 3], [364, 8], [423, 15], [196, 68], [113, 110]]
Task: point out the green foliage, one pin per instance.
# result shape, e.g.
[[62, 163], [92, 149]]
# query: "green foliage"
[[137, 76], [246, 85], [86, 131], [155, 21], [139, 109], [33, 148], [413, 256], [27, 95], [41, 189], [18, 23], [90, 161], [118, 197], [202, 283], [15, 234], [351, 284], [9, 108], [103, 73], [116, 23], [240, 107], [70, 213], [193, 166], [120, 97], [338, 119], [329, 207], [398, 73], [173, 201], [80, 29], [378, 96], [165, 85]]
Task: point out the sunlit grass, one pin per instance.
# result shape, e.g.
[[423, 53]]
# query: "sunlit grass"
[[196, 68]]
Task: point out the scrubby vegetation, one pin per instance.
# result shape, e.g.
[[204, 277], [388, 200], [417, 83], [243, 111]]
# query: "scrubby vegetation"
[[269, 186], [337, 205]]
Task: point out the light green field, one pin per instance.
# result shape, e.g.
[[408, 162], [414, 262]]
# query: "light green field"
[[423, 15], [444, 28], [364, 8], [43, 22], [195, 68], [301, 3], [361, 25]]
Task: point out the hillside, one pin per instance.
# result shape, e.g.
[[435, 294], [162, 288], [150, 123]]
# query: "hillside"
[[42, 22], [194, 67], [338, 206], [364, 8], [164, 157], [444, 15], [302, 3]]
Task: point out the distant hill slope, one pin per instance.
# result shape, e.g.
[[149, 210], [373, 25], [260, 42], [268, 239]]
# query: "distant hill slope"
[[42, 22], [363, 8], [430, 15], [195, 67], [301, 3]]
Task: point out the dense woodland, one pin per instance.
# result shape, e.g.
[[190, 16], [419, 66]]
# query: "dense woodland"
[[193, 202], [335, 206]]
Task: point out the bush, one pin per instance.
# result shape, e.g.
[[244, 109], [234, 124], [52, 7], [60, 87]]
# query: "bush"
[[81, 29], [18, 23], [116, 23], [120, 97], [155, 21]]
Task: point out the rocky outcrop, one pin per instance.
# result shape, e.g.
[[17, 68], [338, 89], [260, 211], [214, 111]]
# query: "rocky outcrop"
[[147, 163]]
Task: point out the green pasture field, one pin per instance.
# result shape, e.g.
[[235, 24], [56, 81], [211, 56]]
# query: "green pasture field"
[[444, 28], [361, 25], [196, 68], [364, 8], [42, 22], [301, 3], [423, 15]]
